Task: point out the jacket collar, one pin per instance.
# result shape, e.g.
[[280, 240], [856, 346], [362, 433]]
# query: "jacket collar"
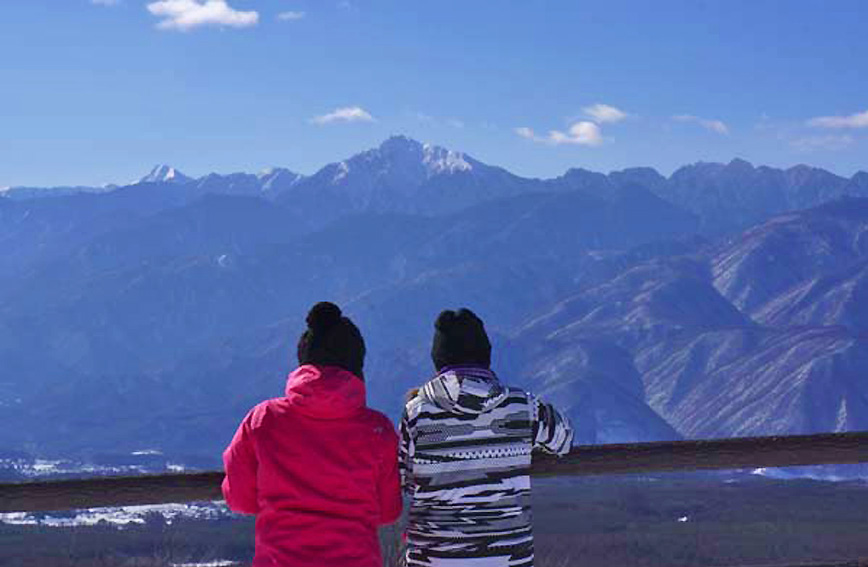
[[465, 389]]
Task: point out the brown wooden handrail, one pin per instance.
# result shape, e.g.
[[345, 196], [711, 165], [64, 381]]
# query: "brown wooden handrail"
[[860, 562], [667, 456]]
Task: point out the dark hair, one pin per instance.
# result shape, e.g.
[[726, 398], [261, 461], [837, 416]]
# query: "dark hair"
[[331, 340], [460, 339]]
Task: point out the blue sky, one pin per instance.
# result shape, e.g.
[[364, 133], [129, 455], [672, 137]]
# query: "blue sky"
[[98, 91]]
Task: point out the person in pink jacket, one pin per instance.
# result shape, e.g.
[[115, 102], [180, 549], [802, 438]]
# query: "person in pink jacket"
[[317, 467]]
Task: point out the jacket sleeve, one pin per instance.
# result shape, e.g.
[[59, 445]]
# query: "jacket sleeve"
[[240, 465], [406, 451], [552, 431], [389, 485]]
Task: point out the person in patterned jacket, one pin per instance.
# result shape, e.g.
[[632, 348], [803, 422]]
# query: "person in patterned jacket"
[[465, 454]]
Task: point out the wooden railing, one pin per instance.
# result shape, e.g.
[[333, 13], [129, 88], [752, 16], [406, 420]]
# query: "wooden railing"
[[735, 453]]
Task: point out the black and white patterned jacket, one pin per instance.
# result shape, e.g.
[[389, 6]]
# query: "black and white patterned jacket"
[[465, 456]]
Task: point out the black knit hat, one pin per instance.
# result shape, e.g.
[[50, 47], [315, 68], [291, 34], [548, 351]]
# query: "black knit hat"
[[460, 339], [331, 340]]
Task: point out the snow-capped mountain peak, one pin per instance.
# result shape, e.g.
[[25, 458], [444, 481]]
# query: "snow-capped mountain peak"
[[403, 175], [164, 174], [402, 152]]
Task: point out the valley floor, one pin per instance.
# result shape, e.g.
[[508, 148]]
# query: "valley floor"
[[626, 521]]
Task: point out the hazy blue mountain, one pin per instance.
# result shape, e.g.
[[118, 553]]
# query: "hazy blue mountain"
[[276, 180], [597, 384], [733, 196], [187, 282], [715, 362], [834, 299], [40, 231], [646, 177], [770, 259], [37, 232], [578, 179], [169, 306], [760, 382], [231, 184], [24, 193], [268, 184], [406, 176], [727, 198], [858, 184]]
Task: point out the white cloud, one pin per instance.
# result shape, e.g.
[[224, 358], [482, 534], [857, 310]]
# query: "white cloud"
[[583, 133], [602, 113], [580, 133], [105, 2], [290, 16], [526, 132], [713, 125], [185, 15], [858, 120], [814, 143], [345, 114]]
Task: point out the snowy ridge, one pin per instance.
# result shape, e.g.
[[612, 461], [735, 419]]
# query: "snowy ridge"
[[440, 160], [275, 178], [342, 171]]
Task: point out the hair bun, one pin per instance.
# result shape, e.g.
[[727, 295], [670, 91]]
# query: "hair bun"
[[445, 321], [466, 315], [323, 316]]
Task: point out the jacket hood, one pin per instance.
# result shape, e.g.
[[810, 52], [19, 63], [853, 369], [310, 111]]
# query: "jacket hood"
[[325, 392], [465, 390]]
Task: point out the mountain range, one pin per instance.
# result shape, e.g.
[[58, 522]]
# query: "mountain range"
[[724, 300]]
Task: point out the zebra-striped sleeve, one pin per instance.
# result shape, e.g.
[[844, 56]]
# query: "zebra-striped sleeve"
[[552, 431], [406, 449]]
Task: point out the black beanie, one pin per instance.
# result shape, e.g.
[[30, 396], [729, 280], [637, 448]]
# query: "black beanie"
[[331, 340], [460, 339]]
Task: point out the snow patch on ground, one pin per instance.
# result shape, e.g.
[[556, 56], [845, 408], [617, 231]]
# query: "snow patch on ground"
[[811, 473], [120, 516], [147, 452], [52, 467]]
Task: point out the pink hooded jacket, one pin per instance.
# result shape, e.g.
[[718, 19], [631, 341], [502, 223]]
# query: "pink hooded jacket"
[[320, 471]]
